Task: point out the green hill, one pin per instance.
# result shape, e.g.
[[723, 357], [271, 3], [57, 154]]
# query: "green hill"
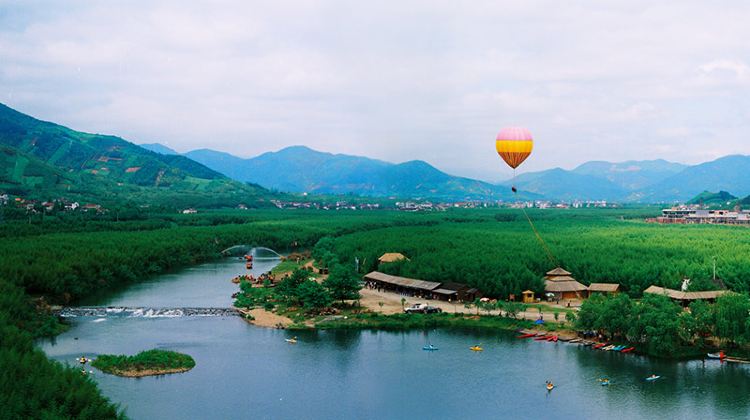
[[709, 198], [40, 159]]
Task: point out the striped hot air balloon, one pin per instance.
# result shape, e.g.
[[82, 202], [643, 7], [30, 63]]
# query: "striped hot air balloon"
[[514, 145]]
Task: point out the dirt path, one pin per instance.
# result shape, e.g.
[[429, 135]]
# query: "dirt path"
[[371, 300]]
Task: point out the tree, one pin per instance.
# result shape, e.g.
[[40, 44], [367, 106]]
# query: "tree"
[[512, 309], [342, 284], [313, 295], [655, 322], [732, 311], [287, 288]]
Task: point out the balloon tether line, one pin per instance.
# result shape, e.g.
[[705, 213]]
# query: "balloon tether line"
[[551, 257]]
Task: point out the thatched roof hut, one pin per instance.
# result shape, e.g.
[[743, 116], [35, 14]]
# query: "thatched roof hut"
[[390, 257], [560, 282]]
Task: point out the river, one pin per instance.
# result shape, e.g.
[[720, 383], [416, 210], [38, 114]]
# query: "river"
[[244, 371]]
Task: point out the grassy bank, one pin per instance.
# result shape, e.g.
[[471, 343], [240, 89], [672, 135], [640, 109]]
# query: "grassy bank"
[[146, 363]]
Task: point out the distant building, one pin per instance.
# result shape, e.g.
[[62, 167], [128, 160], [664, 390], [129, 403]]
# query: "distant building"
[[190, 211], [693, 215]]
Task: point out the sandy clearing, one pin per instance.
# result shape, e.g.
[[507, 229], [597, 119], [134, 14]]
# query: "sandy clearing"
[[266, 319]]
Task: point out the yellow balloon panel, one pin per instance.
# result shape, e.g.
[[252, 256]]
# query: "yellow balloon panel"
[[514, 152]]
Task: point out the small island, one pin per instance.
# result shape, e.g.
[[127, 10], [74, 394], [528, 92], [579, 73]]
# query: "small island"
[[146, 363]]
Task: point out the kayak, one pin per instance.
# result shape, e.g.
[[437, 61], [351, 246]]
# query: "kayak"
[[627, 350], [541, 338], [598, 346], [653, 378], [604, 382], [608, 348], [715, 356], [550, 387], [618, 348], [526, 335], [476, 348], [291, 340], [430, 348]]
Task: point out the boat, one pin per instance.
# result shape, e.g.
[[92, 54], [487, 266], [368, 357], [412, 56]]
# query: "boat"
[[541, 338], [476, 348], [720, 355], [618, 348], [430, 347], [604, 382], [551, 338], [627, 350], [598, 346], [292, 340], [653, 378], [575, 340], [588, 343], [550, 386], [526, 335], [607, 348]]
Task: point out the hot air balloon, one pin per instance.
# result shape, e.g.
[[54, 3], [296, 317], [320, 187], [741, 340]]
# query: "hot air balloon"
[[514, 145]]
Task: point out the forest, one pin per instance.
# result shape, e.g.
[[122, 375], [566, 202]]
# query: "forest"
[[497, 252], [68, 259]]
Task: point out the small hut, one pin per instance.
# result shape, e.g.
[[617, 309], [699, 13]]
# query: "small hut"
[[560, 283], [390, 257], [528, 296]]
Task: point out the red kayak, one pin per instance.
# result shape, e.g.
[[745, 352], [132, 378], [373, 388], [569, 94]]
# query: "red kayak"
[[627, 350], [526, 335], [544, 337], [552, 338], [598, 346]]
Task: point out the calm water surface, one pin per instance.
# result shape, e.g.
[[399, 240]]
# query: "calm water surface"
[[248, 372]]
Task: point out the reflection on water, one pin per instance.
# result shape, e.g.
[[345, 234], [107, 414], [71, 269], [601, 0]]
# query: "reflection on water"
[[248, 372]]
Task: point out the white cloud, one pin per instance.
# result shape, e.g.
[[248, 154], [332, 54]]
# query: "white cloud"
[[393, 80]]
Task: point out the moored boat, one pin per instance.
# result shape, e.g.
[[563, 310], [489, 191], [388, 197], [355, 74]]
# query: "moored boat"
[[430, 347], [526, 335], [627, 350], [598, 346]]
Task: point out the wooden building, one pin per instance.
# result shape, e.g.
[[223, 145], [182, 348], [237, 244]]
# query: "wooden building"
[[425, 289], [604, 288], [528, 296], [685, 298], [560, 283], [410, 287]]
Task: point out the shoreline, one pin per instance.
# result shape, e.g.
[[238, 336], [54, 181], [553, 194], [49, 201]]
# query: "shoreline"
[[146, 372]]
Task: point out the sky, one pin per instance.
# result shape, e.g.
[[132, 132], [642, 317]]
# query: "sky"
[[392, 80]]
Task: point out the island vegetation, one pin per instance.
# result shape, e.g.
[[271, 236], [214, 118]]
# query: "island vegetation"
[[145, 363]]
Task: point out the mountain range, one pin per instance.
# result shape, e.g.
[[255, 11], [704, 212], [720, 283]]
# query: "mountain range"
[[43, 158], [301, 169]]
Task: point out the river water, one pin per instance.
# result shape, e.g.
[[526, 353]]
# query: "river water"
[[249, 372]]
